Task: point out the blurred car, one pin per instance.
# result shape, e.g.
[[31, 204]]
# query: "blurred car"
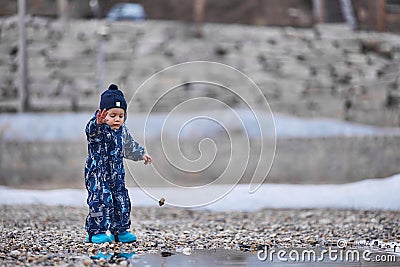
[[126, 11]]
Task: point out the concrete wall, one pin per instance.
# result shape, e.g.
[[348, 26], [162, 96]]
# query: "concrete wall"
[[319, 160], [336, 160], [329, 71]]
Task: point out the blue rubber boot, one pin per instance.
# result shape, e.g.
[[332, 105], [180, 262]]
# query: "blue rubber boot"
[[98, 239], [124, 237]]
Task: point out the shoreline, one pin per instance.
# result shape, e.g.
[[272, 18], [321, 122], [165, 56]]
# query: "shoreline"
[[48, 235]]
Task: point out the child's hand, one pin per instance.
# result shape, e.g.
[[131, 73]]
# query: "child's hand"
[[147, 159], [101, 116]]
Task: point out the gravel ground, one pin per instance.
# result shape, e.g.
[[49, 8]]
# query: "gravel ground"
[[54, 235]]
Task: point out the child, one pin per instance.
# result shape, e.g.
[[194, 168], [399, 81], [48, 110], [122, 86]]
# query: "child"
[[108, 143]]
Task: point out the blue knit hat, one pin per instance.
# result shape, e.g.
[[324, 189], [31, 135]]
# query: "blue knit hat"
[[113, 98]]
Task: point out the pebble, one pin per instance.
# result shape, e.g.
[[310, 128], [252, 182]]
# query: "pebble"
[[15, 253], [325, 221], [28, 233], [187, 251], [87, 262]]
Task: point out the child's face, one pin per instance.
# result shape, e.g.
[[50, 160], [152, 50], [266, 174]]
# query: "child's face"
[[115, 118]]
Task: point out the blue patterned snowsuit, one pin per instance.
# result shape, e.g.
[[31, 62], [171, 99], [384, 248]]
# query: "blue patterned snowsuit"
[[108, 199]]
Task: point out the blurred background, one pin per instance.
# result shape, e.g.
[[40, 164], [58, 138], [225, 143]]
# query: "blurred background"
[[330, 71]]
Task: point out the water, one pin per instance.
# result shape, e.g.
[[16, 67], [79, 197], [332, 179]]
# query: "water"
[[221, 257]]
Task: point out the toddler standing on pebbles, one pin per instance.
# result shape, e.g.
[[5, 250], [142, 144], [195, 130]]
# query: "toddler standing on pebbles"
[[109, 141]]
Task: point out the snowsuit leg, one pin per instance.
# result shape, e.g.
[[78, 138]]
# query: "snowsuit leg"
[[101, 206], [122, 207]]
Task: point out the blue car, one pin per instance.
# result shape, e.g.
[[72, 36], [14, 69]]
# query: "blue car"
[[126, 11]]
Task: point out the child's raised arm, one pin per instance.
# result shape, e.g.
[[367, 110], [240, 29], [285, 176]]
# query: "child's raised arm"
[[94, 127]]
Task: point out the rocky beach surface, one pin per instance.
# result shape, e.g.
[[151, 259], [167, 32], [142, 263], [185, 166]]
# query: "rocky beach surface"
[[41, 235]]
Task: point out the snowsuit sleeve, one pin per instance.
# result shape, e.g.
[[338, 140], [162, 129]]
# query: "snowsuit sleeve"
[[93, 131], [132, 149]]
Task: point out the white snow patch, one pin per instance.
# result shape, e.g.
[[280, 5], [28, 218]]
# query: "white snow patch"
[[382, 193]]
